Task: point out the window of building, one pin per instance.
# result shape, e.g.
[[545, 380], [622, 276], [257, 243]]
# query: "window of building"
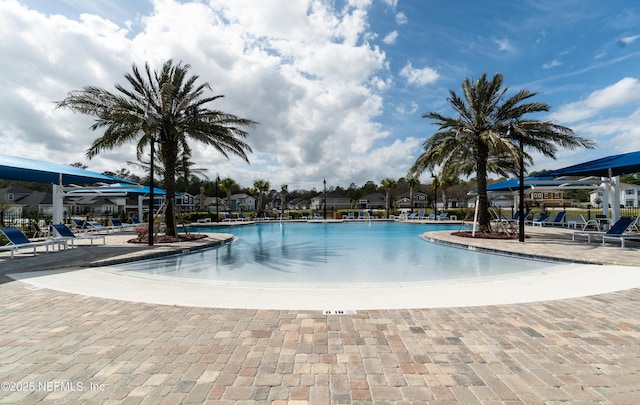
[[630, 191]]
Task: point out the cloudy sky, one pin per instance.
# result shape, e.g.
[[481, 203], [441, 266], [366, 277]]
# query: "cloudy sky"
[[338, 87]]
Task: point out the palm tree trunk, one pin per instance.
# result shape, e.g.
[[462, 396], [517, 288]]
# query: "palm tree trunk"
[[170, 154], [484, 219]]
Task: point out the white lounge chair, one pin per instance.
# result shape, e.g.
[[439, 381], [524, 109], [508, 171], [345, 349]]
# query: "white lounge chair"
[[617, 231], [18, 240], [62, 233]]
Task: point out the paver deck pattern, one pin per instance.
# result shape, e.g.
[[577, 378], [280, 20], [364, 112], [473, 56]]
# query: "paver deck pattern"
[[63, 348]]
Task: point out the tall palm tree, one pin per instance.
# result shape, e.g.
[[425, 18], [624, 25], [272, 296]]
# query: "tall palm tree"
[[476, 140], [284, 190], [167, 106], [412, 182], [260, 187], [228, 186], [387, 184]]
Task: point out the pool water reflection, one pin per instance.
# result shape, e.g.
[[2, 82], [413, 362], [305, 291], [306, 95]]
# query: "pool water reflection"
[[329, 254]]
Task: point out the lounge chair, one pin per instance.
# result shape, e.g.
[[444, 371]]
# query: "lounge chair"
[[559, 219], [443, 215], [317, 215], [97, 226], [413, 215], [18, 240], [539, 220], [267, 217], [117, 224], [62, 233], [617, 231], [591, 222], [351, 215], [227, 217], [431, 216], [421, 214], [242, 217], [304, 215], [136, 221], [39, 232]]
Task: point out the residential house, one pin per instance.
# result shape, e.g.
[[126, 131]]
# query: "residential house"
[[546, 198], [420, 200], [243, 202], [372, 201], [299, 204], [334, 202], [629, 196]]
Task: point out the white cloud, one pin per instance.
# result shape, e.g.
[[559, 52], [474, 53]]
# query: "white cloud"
[[618, 94], [301, 69], [402, 19], [391, 37], [504, 44], [551, 64], [628, 40], [418, 77]]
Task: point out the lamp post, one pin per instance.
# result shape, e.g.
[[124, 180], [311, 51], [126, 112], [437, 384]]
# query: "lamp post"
[[151, 123], [324, 184], [217, 198], [510, 133]]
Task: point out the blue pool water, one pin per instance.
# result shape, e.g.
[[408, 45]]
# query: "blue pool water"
[[350, 253]]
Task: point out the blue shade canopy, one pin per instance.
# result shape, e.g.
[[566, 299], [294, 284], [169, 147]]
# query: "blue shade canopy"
[[119, 188], [615, 165], [513, 184], [23, 169]]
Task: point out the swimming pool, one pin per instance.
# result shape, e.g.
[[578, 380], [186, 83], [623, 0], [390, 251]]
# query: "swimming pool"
[[329, 255]]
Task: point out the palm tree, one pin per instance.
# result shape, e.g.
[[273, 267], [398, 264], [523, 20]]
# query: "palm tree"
[[476, 141], [229, 186], [284, 190], [387, 184], [412, 182], [260, 187], [168, 105]]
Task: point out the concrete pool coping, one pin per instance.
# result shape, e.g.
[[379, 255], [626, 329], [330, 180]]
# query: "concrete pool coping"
[[611, 273]]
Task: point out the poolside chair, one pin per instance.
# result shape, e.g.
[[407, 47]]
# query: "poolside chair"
[[538, 221], [18, 240], [413, 215], [242, 217], [117, 224], [559, 219], [266, 216], [304, 215], [431, 216], [38, 231], [227, 216], [443, 215], [62, 233], [421, 214], [351, 215], [136, 221], [98, 227], [617, 231], [591, 222], [317, 215]]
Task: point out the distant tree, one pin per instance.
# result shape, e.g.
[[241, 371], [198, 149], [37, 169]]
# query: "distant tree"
[[260, 187], [79, 165], [284, 190], [228, 186], [387, 185], [412, 182]]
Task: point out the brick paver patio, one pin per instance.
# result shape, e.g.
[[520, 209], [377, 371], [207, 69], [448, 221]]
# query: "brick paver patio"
[[62, 348]]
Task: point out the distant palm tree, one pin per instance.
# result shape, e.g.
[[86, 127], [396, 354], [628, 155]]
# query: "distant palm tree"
[[387, 184], [412, 182], [167, 104], [260, 187], [229, 186], [284, 190], [476, 141]]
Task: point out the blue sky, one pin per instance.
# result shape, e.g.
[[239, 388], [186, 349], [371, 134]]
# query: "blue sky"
[[338, 87]]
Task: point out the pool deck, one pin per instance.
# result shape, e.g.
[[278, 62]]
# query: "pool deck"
[[64, 347]]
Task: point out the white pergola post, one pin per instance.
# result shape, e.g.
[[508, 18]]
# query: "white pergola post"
[[58, 204]]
